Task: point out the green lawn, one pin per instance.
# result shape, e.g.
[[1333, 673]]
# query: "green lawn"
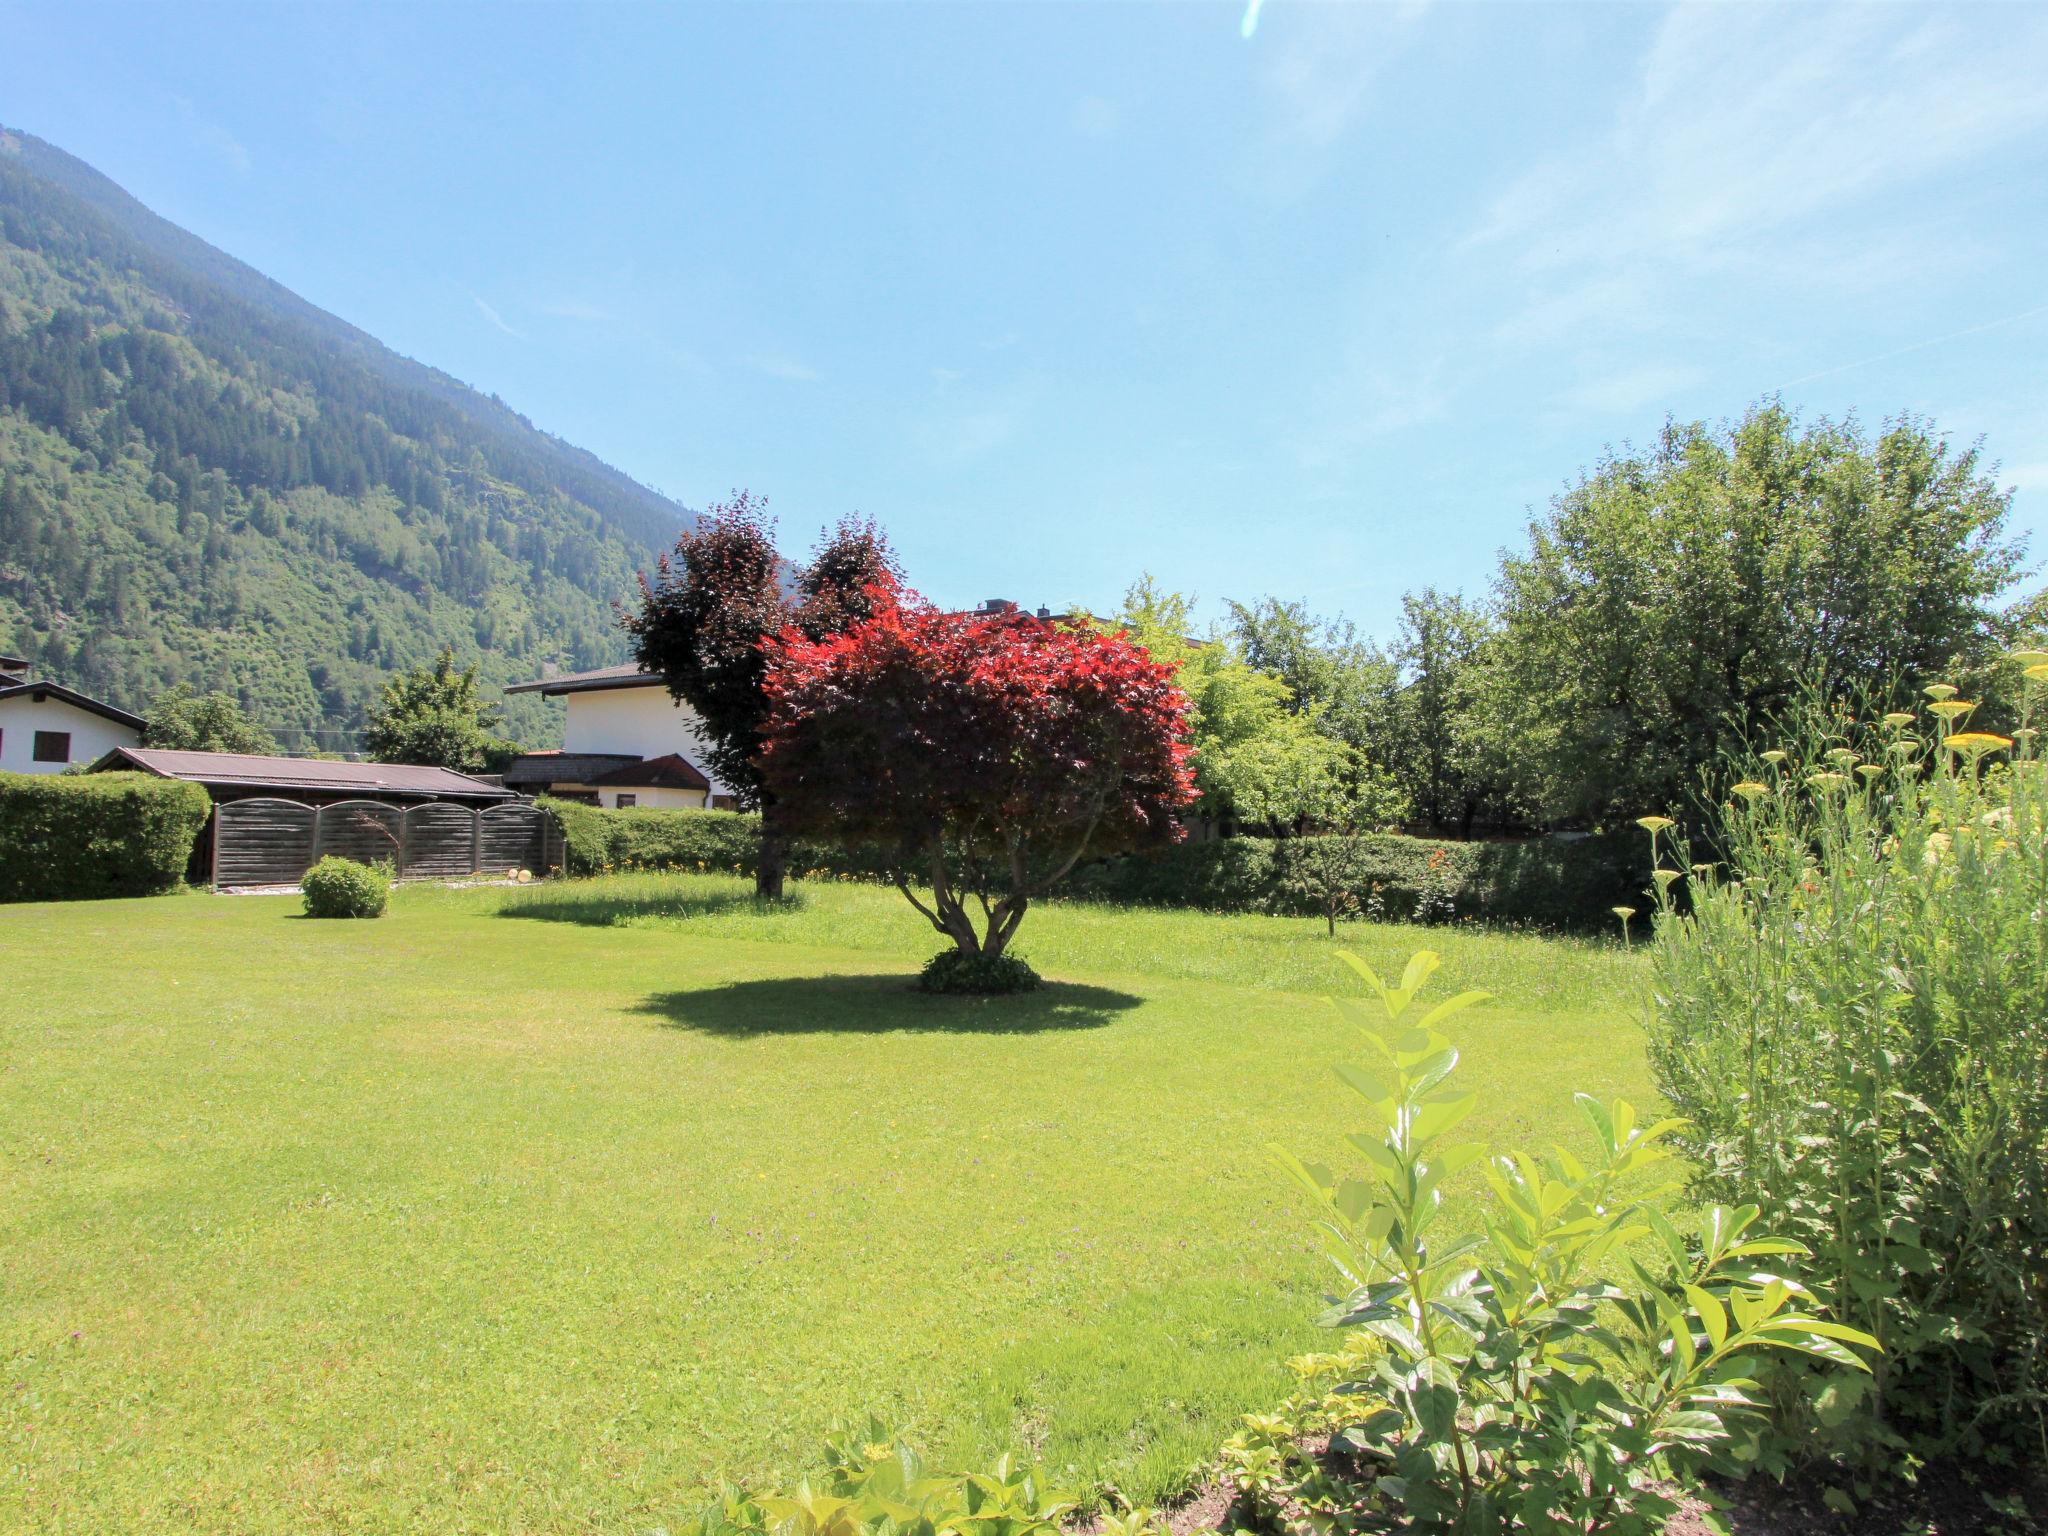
[[536, 1210]]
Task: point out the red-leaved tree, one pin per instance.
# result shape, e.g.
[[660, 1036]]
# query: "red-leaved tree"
[[706, 617], [986, 754]]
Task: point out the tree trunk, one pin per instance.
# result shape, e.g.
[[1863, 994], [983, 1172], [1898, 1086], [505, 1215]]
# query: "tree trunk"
[[773, 856]]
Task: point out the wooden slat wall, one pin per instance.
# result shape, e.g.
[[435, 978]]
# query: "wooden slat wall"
[[274, 842], [262, 842], [368, 831]]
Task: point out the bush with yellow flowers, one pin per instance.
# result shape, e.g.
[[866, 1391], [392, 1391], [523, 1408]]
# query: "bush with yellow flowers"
[[1852, 1014]]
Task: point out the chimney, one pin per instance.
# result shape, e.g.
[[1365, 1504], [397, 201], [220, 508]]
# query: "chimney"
[[996, 605]]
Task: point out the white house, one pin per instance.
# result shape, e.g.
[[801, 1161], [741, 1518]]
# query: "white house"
[[625, 743], [46, 727]]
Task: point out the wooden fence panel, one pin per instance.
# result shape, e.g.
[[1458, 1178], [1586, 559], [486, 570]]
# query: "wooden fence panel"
[[274, 842], [262, 842], [440, 841], [514, 837], [368, 831]]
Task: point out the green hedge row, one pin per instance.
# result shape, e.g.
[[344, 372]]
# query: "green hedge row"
[[718, 842], [1544, 882], [66, 837]]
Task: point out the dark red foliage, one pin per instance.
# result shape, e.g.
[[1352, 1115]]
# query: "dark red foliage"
[[987, 753], [709, 610]]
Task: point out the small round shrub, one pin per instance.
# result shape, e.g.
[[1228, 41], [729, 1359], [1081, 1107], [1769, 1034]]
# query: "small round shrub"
[[951, 971], [343, 888]]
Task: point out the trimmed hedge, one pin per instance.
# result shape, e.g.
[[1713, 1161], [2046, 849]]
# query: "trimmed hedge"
[[69, 837], [595, 840], [1544, 882]]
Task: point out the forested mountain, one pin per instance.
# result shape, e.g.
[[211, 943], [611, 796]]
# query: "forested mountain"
[[205, 479]]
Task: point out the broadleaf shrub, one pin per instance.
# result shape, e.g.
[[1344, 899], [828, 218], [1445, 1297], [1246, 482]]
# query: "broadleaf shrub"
[[1854, 1017], [1546, 1375], [66, 837], [337, 887], [875, 1484], [990, 975]]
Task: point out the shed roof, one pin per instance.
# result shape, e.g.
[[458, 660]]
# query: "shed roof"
[[554, 766], [242, 770], [626, 676], [70, 696], [672, 771]]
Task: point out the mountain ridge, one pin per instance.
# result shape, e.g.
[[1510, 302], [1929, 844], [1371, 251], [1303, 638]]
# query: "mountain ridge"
[[265, 488]]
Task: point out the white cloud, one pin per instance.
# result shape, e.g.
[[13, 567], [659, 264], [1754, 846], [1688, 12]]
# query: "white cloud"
[[1326, 61], [1633, 391], [1748, 122], [788, 369], [966, 431], [1096, 117], [212, 135], [497, 319]]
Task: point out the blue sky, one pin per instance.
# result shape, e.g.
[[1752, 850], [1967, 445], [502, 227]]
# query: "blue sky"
[[1066, 293]]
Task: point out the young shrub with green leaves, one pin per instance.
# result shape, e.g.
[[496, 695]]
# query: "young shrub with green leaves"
[[337, 887], [1854, 1017], [874, 1484], [1541, 1376]]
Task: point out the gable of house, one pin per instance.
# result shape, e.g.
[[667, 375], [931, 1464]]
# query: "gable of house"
[[45, 727]]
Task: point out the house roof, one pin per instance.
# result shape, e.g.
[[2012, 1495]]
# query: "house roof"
[[98, 707], [241, 770], [554, 766], [627, 676], [670, 772]]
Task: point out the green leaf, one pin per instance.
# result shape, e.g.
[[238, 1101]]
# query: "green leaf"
[[1421, 966], [1432, 1120], [1713, 1316], [1368, 1085], [1450, 1006]]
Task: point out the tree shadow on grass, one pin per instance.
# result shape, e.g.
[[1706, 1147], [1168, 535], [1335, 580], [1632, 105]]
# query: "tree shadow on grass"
[[804, 1005]]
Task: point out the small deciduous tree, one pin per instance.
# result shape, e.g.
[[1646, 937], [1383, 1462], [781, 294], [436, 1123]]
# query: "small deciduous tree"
[[706, 617], [1329, 873], [434, 716], [187, 722], [986, 754]]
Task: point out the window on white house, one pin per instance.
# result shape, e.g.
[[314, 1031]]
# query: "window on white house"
[[52, 747], [625, 802]]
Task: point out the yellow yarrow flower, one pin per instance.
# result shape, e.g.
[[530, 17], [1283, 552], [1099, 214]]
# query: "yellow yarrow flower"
[[1974, 744]]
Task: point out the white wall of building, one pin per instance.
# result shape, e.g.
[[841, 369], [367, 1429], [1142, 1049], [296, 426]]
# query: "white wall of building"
[[644, 722], [655, 799], [92, 736]]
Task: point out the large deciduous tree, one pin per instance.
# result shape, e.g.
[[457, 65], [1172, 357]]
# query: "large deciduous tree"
[[708, 613], [1673, 602], [984, 754], [211, 722], [435, 716]]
